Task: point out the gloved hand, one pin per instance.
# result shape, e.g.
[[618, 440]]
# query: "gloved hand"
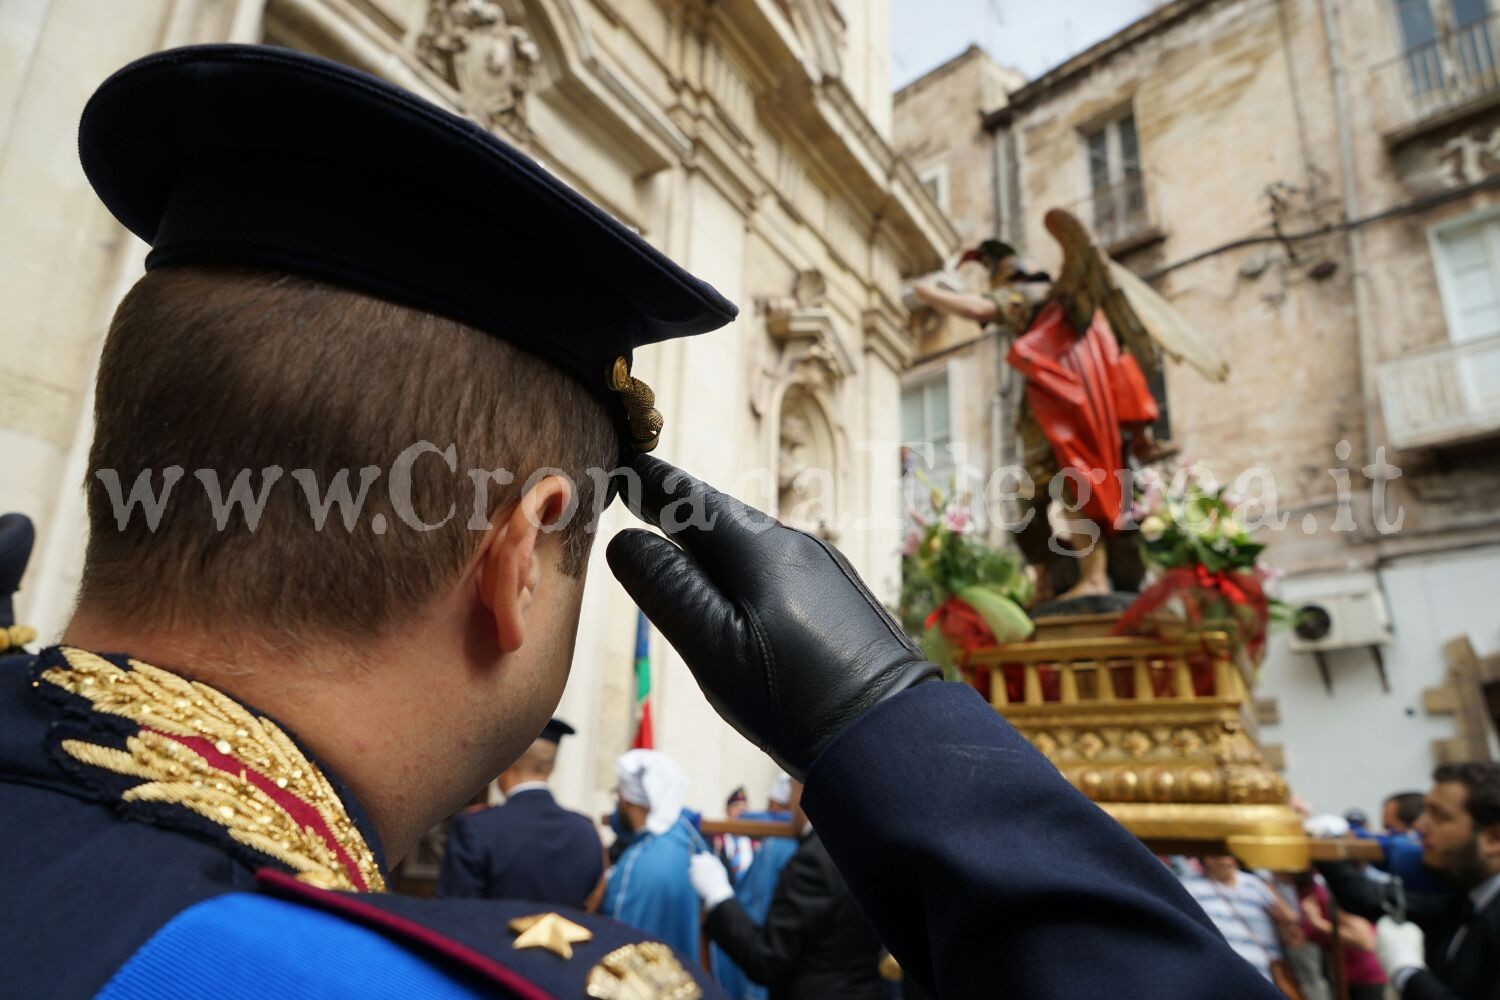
[[709, 879], [1399, 946], [783, 637]]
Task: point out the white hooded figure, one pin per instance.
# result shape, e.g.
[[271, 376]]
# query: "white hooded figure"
[[648, 887]]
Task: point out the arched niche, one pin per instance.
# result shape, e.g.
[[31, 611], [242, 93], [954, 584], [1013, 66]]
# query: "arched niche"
[[799, 392], [810, 466]]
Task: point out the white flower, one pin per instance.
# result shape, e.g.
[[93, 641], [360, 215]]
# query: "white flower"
[[1153, 528]]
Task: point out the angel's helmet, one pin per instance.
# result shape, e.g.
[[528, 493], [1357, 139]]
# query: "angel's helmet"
[[1004, 263]]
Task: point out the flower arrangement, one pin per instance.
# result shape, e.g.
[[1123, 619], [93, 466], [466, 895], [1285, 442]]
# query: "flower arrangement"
[[957, 592], [1200, 552]]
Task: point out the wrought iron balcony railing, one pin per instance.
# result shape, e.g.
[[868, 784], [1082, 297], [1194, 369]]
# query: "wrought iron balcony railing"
[[1440, 81]]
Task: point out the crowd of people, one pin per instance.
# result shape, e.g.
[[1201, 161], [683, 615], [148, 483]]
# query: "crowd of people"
[[775, 919], [1424, 922]]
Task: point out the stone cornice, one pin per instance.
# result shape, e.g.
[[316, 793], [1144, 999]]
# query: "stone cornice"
[[830, 121], [888, 339]]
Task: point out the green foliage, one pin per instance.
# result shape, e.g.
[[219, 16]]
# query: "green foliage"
[[942, 556]]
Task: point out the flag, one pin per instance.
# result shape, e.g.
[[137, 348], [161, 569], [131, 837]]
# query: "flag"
[[642, 683]]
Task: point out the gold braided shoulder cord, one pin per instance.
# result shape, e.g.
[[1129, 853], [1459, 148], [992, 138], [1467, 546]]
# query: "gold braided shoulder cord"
[[166, 705]]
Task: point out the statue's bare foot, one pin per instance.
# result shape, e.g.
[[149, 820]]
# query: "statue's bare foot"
[[1087, 588], [1093, 576]]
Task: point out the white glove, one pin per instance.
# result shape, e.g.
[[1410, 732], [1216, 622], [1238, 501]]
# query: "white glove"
[[1399, 946], [709, 879]]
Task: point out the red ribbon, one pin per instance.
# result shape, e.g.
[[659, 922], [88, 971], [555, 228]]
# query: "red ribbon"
[[1248, 607], [961, 625]]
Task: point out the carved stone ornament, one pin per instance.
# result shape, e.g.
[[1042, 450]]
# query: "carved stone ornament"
[[473, 45], [805, 346]]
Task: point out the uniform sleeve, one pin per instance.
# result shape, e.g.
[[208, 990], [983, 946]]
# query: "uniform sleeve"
[[463, 871], [986, 874], [1423, 985], [1365, 898], [771, 952]]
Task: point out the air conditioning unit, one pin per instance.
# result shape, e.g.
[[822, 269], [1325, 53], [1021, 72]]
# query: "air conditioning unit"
[[1341, 621]]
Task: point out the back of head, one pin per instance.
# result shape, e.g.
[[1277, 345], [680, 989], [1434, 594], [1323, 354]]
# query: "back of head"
[[1407, 806], [292, 393], [536, 764]]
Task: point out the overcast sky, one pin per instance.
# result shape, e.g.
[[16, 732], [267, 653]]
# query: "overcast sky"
[[1030, 35]]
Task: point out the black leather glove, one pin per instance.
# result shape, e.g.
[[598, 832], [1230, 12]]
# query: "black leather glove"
[[784, 638]]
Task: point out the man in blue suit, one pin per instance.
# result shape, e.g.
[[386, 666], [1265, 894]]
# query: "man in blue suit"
[[530, 847]]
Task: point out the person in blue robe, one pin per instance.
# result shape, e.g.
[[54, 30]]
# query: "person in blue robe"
[[648, 888]]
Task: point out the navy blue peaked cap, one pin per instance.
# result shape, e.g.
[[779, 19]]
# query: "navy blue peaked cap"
[[16, 538], [260, 155], [555, 730]]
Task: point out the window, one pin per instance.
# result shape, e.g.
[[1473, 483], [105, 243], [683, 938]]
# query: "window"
[[1468, 263], [1468, 260], [1116, 184], [926, 433], [935, 180]]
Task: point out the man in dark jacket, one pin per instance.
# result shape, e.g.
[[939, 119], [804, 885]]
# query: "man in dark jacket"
[[815, 942], [530, 847], [1449, 946]]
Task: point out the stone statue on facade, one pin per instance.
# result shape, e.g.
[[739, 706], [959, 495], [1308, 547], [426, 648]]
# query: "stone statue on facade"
[[486, 58]]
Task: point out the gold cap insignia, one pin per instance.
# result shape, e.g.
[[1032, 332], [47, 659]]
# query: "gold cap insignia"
[[644, 971], [15, 636], [552, 931], [640, 405]]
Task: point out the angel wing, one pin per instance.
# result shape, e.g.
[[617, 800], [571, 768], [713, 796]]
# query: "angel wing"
[[1141, 318]]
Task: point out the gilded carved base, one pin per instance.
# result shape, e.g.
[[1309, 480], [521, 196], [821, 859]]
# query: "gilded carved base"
[[1180, 768]]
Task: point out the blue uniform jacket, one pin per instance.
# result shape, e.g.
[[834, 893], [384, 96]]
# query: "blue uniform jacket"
[[529, 848], [123, 878]]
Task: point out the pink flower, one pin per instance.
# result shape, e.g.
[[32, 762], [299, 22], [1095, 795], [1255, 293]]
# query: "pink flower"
[[958, 520], [916, 516], [912, 541]]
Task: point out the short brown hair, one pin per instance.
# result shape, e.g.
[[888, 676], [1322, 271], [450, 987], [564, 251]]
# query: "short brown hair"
[[1482, 779], [229, 369]]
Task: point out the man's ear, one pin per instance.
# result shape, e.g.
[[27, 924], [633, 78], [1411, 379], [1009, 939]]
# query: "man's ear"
[[1489, 841], [510, 572]]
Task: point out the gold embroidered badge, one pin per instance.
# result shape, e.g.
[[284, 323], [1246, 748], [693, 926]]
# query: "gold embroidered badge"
[[200, 749], [644, 971]]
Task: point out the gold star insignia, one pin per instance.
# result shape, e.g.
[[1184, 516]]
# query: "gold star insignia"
[[552, 931]]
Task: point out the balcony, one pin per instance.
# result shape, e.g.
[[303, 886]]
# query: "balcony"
[[1441, 82], [1447, 395], [1122, 215]]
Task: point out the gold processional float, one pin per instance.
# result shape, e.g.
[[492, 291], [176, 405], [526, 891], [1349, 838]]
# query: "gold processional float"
[[1142, 700]]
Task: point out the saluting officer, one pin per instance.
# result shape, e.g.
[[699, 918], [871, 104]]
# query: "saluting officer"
[[528, 847], [202, 788]]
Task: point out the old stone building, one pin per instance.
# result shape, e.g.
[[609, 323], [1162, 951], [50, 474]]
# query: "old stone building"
[[958, 387], [1312, 183], [747, 139]]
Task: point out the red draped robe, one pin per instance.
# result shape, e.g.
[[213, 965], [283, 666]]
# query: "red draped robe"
[[1082, 390]]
